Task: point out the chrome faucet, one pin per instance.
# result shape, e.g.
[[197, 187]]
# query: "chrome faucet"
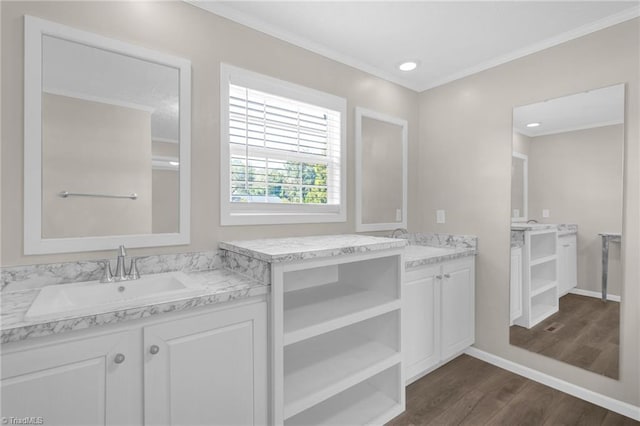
[[397, 232], [121, 274]]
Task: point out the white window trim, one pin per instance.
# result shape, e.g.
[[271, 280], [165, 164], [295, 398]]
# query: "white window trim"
[[264, 213]]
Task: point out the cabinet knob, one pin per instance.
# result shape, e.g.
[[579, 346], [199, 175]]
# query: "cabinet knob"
[[119, 359], [439, 277], [447, 276], [154, 349]]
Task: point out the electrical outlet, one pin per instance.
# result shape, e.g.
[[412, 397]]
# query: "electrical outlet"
[[440, 216], [516, 213], [398, 215], [545, 212]]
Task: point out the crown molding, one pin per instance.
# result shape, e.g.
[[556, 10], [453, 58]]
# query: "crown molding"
[[570, 129], [592, 27], [222, 9], [232, 14]]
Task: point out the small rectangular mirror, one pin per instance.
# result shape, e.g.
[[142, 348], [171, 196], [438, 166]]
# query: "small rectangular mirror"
[[107, 142], [381, 171]]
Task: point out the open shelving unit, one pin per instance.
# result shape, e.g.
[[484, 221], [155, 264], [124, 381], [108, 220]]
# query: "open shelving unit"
[[368, 402], [540, 283], [337, 340], [323, 308]]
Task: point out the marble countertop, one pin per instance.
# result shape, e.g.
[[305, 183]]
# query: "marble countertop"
[[532, 226], [416, 255], [221, 286], [275, 250], [563, 228]]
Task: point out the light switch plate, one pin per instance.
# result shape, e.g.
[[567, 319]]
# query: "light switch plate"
[[398, 215], [440, 216], [545, 212]]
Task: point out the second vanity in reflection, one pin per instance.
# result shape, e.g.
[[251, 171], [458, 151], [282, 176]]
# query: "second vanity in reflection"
[[543, 269]]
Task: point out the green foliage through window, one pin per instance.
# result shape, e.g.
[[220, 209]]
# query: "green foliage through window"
[[278, 181]]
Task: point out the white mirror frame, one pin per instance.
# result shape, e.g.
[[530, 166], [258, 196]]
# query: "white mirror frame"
[[368, 227], [34, 29], [525, 189]]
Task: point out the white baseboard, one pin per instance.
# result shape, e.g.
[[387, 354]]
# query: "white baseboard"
[[604, 401], [598, 295]]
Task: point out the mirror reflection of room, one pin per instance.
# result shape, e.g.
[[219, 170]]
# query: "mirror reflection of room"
[[110, 143], [567, 188], [381, 172]]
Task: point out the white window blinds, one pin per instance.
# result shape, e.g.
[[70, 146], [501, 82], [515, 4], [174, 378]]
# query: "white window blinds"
[[282, 150]]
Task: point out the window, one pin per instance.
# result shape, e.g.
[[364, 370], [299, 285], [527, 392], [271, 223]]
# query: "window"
[[282, 151]]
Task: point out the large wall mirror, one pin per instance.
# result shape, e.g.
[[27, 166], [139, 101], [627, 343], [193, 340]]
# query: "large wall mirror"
[[381, 171], [566, 273], [107, 142]]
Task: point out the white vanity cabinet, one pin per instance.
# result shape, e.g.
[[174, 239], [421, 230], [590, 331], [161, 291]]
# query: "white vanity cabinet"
[[74, 381], [438, 314], [515, 285], [421, 320], [207, 369], [206, 366], [567, 263]]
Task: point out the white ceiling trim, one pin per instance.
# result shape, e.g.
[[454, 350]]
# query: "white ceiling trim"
[[571, 129], [257, 24], [598, 25]]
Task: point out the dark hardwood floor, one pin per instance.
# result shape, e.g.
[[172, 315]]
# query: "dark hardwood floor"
[[585, 333], [467, 391]]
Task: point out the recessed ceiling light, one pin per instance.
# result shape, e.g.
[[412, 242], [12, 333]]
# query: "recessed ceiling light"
[[533, 124], [408, 66]]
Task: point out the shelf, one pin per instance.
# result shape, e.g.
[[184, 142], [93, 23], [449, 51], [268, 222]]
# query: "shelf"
[[541, 311], [539, 286], [542, 260], [543, 244], [317, 310], [361, 405], [322, 367]]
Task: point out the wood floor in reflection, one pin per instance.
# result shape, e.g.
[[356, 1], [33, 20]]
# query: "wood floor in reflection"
[[587, 335], [467, 391]]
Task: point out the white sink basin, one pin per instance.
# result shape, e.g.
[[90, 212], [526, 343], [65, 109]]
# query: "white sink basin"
[[91, 297]]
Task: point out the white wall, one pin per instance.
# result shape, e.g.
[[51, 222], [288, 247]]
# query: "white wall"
[[206, 40], [466, 171]]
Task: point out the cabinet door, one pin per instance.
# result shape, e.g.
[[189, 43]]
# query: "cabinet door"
[[458, 307], [515, 293], [208, 369], [420, 322], [567, 264], [75, 382]]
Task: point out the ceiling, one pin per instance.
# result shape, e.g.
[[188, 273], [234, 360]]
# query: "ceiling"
[[449, 39], [586, 110]]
